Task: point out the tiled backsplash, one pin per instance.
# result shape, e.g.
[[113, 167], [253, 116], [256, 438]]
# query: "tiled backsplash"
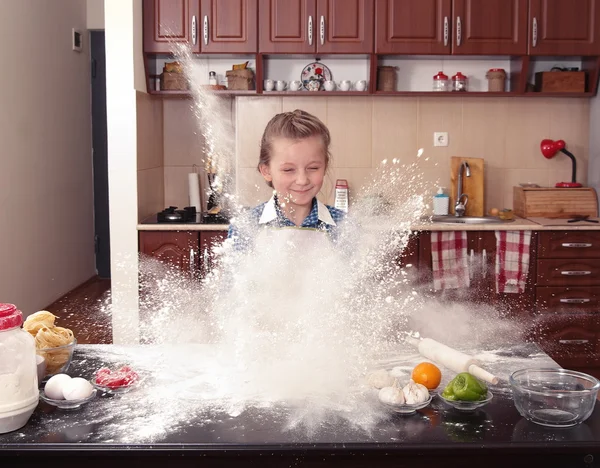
[[506, 132]]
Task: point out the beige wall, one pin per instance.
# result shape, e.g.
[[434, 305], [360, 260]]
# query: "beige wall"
[[150, 159], [47, 235], [506, 132], [95, 14]]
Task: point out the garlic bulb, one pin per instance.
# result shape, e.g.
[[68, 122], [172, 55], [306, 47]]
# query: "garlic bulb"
[[391, 396], [415, 393], [380, 378]]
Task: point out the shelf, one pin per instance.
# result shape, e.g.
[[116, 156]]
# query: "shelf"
[[316, 93], [188, 94]]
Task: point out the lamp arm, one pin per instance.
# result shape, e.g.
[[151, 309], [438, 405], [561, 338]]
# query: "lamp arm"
[[574, 175]]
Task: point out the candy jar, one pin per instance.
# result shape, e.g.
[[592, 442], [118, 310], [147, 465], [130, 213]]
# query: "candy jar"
[[459, 82], [440, 82]]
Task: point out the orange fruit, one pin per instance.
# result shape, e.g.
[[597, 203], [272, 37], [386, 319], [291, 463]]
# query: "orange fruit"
[[427, 374]]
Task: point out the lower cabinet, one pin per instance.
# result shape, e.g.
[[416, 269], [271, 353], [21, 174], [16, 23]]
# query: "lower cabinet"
[[188, 251]]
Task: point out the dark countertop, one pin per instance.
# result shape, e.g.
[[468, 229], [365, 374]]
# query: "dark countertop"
[[113, 432]]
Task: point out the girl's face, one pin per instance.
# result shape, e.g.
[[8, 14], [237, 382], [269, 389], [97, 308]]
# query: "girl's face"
[[296, 170]]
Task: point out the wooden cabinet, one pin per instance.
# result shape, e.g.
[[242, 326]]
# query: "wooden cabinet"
[[316, 26], [209, 26], [467, 27], [170, 21], [187, 251], [564, 27], [229, 26], [490, 27]]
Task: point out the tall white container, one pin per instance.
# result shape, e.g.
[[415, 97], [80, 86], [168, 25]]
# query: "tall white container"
[[441, 203]]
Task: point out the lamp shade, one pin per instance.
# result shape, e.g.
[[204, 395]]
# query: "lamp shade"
[[551, 147]]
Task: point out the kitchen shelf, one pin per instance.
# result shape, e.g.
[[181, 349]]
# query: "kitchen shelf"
[[188, 94], [316, 93]]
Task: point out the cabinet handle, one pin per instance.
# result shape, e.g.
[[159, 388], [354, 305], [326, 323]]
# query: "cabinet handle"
[[573, 341], [458, 31], [192, 266], [485, 264], [310, 30], [446, 31], [575, 300], [471, 261], [576, 245], [205, 30], [534, 32], [194, 30], [322, 30], [575, 273]]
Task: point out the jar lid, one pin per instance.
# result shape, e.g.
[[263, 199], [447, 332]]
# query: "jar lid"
[[440, 76], [459, 76], [10, 317]]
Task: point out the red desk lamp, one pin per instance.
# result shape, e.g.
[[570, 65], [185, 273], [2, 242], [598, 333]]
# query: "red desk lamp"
[[549, 149]]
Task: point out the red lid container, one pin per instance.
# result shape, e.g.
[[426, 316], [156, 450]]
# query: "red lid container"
[[459, 77], [440, 76], [10, 317]]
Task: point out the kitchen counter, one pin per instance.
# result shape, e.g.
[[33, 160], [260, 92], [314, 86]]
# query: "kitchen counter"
[[151, 224], [110, 432]]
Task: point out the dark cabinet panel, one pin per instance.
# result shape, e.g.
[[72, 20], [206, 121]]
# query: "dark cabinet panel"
[[167, 22], [345, 26], [412, 26], [176, 248], [564, 27], [569, 244], [229, 26], [208, 240], [495, 27], [287, 26]]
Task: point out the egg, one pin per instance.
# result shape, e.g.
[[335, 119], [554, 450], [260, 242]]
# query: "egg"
[[77, 389], [54, 386]]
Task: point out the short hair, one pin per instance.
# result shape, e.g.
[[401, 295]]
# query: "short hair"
[[295, 125]]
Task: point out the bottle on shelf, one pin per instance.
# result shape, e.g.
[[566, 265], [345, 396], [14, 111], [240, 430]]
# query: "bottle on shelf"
[[441, 203], [341, 195], [440, 82], [459, 82]]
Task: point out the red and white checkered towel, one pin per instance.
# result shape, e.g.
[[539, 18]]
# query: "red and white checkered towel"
[[449, 260], [512, 260]]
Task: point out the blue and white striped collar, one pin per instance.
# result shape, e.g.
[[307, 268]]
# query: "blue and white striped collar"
[[270, 213]]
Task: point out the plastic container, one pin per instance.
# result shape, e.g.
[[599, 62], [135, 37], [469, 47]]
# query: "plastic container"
[[459, 82], [441, 203], [496, 80], [440, 82], [19, 393], [341, 195], [554, 397]]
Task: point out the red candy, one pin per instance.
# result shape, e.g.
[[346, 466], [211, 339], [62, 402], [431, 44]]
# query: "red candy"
[[122, 377]]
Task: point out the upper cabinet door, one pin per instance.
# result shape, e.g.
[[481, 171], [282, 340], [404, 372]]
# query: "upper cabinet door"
[[564, 27], [489, 27], [287, 26], [345, 26], [228, 26], [412, 26], [171, 21]]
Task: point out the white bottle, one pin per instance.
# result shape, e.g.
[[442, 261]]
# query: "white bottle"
[[441, 203], [341, 195]]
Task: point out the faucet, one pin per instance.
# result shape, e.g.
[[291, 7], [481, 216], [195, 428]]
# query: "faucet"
[[460, 205]]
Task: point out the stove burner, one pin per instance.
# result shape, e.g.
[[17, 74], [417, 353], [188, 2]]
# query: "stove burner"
[[173, 215]]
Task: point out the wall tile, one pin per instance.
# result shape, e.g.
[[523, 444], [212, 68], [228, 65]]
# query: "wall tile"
[[151, 193], [528, 124], [394, 129], [176, 186], [349, 121], [184, 144], [252, 115], [251, 187], [149, 112], [484, 129]]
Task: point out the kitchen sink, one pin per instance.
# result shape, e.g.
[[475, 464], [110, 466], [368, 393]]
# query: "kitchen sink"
[[469, 219]]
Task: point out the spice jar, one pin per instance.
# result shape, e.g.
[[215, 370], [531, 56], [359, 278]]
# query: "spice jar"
[[459, 82], [386, 78], [19, 393], [212, 78], [496, 79], [440, 82]]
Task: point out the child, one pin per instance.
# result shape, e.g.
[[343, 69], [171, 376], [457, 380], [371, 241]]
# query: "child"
[[294, 157]]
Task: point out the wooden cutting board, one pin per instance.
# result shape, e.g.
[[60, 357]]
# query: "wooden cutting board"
[[473, 186]]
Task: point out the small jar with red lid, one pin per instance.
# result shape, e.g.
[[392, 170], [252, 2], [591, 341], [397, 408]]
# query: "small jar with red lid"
[[459, 82], [440, 82], [19, 394]]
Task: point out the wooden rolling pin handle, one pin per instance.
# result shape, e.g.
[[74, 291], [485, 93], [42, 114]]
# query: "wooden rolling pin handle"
[[482, 374]]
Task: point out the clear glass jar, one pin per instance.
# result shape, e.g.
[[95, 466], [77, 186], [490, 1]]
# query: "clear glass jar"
[[459, 82], [19, 393], [212, 78], [440, 82]]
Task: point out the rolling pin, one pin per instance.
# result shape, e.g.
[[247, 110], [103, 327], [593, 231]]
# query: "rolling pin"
[[451, 358]]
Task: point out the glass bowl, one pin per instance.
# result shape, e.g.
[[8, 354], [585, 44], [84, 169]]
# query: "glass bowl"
[[408, 409], [554, 397], [67, 404], [467, 406], [57, 359], [114, 391]]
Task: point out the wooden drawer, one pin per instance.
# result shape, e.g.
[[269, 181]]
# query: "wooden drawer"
[[570, 244], [568, 272], [568, 300], [571, 340]]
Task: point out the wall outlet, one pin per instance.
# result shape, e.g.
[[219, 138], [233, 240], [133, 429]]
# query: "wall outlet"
[[440, 138]]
